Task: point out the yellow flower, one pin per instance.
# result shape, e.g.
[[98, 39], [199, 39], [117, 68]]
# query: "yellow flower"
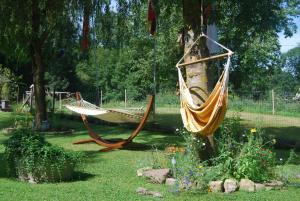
[[253, 130], [209, 190], [200, 166]]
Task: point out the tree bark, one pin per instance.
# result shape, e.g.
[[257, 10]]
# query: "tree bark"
[[196, 74], [38, 68], [39, 87]]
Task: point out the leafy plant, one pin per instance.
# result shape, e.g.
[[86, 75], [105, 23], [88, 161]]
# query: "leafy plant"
[[29, 156], [254, 161], [241, 154]]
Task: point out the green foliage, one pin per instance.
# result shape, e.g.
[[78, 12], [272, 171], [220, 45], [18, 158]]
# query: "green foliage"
[[288, 173], [251, 32], [8, 83], [293, 158], [127, 54], [28, 154], [240, 154], [291, 62], [254, 161]]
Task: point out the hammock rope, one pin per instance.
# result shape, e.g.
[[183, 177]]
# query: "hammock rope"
[[204, 119]]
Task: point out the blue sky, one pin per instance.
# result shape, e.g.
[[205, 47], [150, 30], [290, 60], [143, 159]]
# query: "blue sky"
[[289, 43]]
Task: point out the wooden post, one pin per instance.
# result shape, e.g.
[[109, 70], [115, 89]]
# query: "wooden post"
[[53, 101], [31, 97], [273, 102], [125, 101], [101, 98], [59, 101]]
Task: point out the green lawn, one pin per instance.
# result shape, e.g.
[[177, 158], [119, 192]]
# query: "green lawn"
[[112, 175]]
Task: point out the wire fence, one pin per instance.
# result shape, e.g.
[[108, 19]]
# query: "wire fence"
[[269, 109]]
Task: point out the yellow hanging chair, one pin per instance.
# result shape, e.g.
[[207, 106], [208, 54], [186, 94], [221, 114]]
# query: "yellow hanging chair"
[[205, 119]]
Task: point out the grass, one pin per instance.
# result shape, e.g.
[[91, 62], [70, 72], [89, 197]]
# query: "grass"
[[112, 175]]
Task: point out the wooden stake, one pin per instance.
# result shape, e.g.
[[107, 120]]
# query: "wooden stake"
[[273, 102], [204, 59]]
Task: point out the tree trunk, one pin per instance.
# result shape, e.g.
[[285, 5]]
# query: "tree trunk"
[[37, 67], [196, 74], [39, 87]]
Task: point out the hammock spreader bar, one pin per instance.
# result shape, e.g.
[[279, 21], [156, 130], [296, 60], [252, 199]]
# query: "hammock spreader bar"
[[109, 144]]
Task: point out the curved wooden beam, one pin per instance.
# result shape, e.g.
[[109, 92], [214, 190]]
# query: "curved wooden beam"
[[119, 144]]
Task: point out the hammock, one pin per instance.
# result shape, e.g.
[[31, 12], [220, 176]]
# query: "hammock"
[[87, 109], [109, 115], [204, 119]]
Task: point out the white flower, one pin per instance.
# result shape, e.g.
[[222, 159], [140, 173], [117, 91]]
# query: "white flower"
[[194, 138], [243, 135], [203, 144], [198, 141], [173, 161], [280, 159], [177, 129]]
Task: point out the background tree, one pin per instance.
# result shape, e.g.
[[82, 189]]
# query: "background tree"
[[291, 62], [29, 25]]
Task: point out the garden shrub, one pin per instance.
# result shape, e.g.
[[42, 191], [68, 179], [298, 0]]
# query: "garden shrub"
[[241, 153], [30, 157], [254, 161]]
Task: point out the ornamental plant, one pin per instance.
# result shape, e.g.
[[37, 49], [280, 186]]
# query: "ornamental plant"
[[241, 153], [30, 157]]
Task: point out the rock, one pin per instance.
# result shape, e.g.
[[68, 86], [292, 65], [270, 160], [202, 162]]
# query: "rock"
[[170, 181], [157, 175], [141, 171], [8, 131], [141, 190], [156, 194], [215, 186], [247, 185], [260, 187], [185, 184], [230, 185], [274, 184], [144, 191]]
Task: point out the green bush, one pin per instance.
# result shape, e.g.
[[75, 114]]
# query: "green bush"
[[30, 157], [240, 154], [254, 161]]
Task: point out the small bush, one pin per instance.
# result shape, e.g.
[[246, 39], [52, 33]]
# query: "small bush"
[[30, 157], [240, 154], [254, 161]]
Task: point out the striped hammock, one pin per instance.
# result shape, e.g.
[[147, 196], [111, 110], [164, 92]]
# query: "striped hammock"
[[109, 115], [204, 119]]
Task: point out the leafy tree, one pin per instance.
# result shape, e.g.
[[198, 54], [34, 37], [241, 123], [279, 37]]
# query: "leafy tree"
[[291, 62], [8, 83], [29, 25]]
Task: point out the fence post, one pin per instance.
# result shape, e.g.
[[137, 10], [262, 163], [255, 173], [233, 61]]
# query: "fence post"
[[101, 98], [59, 101], [273, 102], [125, 102], [53, 100]]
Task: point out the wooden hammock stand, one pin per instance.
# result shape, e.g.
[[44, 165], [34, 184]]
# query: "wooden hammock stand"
[[107, 143]]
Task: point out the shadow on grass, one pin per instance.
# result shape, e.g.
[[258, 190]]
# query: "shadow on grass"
[[6, 119], [78, 175], [3, 166], [286, 137]]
